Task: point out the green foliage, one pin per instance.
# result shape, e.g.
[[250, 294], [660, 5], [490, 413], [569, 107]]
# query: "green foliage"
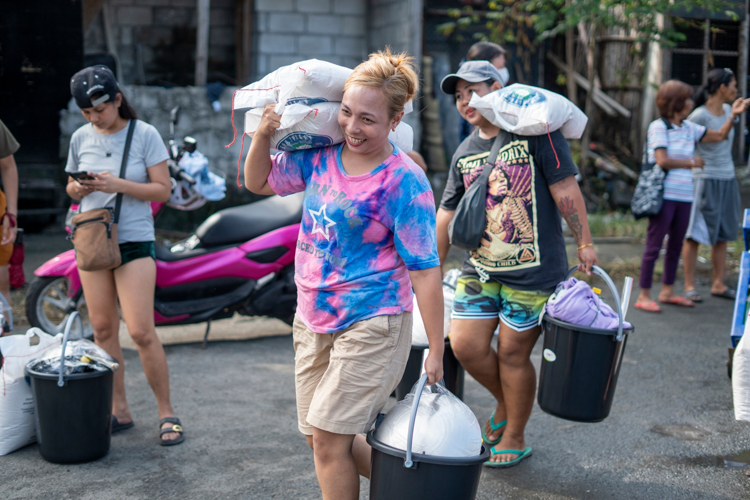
[[527, 21]]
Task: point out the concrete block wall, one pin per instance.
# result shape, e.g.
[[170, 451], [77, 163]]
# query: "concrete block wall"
[[398, 24], [288, 31], [156, 39]]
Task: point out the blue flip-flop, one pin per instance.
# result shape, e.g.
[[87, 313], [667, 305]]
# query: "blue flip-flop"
[[494, 427], [504, 465]]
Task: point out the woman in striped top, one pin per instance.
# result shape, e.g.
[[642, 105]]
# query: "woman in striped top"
[[671, 145]]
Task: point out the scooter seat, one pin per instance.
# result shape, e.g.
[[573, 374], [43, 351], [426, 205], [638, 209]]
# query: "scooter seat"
[[245, 222]]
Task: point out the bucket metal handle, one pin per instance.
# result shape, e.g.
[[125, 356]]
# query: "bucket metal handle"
[[408, 463], [601, 272], [68, 326]]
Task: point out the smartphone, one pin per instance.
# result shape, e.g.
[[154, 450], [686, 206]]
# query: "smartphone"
[[82, 176]]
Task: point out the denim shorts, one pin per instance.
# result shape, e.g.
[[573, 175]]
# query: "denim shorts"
[[519, 309], [133, 250]]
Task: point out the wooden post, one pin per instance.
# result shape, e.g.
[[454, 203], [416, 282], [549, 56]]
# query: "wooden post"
[[201, 45], [244, 39], [742, 73], [111, 40]]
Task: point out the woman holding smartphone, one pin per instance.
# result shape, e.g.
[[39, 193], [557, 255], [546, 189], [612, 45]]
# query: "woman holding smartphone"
[[94, 161]]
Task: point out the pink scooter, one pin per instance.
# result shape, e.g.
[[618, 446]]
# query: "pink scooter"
[[240, 259]]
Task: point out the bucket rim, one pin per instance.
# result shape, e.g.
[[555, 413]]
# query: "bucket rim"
[[586, 329], [373, 441], [71, 376]]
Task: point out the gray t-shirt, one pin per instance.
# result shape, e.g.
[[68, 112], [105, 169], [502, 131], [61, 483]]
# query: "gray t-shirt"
[[717, 155], [91, 151]]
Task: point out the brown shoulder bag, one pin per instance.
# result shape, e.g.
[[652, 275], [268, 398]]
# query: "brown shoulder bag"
[[94, 233]]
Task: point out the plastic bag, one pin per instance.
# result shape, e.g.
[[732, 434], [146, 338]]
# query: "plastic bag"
[[526, 110], [741, 376], [444, 427], [207, 183], [81, 356], [419, 332], [307, 127], [17, 406]]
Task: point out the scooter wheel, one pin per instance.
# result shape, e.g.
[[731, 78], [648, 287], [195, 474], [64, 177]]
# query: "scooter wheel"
[[48, 305]]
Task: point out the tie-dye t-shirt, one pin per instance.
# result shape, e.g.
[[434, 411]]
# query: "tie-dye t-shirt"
[[359, 237]]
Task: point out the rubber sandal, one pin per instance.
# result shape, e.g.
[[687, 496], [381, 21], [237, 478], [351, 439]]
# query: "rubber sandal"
[[651, 307], [522, 455], [726, 294], [176, 427], [117, 426], [679, 301], [494, 427], [693, 295]]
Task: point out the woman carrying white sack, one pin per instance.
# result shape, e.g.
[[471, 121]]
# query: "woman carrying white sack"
[[367, 238]]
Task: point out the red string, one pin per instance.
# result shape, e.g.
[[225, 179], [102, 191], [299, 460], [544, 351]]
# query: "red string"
[[239, 160], [553, 146], [234, 128]]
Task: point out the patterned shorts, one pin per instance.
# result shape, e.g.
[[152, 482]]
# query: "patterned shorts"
[[519, 309]]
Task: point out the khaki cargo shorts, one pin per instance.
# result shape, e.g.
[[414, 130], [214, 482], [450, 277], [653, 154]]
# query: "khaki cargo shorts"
[[343, 379]]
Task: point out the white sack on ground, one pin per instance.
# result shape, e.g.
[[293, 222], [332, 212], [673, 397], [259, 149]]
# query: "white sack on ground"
[[526, 110], [17, 408], [741, 376], [444, 427], [307, 127]]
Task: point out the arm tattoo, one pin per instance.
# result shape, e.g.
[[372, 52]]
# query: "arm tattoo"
[[569, 212]]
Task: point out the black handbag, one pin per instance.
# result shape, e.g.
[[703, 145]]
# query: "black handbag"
[[467, 227], [649, 192]]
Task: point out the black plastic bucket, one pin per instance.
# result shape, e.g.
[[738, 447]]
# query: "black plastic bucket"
[[453, 372], [580, 367], [399, 475], [73, 421]]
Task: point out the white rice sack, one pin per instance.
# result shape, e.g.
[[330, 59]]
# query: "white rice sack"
[[17, 408], [526, 110], [741, 376], [306, 82], [307, 127]]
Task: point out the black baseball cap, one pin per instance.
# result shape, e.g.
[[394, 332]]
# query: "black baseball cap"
[[90, 81], [471, 71]]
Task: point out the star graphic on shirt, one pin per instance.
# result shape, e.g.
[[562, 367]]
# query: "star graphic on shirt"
[[318, 227]]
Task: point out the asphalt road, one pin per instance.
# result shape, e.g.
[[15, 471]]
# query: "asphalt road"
[[671, 428]]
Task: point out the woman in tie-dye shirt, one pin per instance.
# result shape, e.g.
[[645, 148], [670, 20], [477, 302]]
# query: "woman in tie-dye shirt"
[[366, 240]]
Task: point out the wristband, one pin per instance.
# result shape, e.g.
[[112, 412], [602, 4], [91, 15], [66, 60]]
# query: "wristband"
[[12, 218], [586, 245]]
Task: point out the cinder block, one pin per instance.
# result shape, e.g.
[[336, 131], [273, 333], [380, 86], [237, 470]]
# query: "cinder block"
[[269, 43], [261, 22], [351, 62], [135, 16], [350, 7], [126, 35], [324, 24], [276, 62], [172, 16], [318, 6], [353, 25], [153, 35], [315, 45], [286, 23], [221, 17], [222, 36], [349, 46], [152, 3], [274, 6]]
